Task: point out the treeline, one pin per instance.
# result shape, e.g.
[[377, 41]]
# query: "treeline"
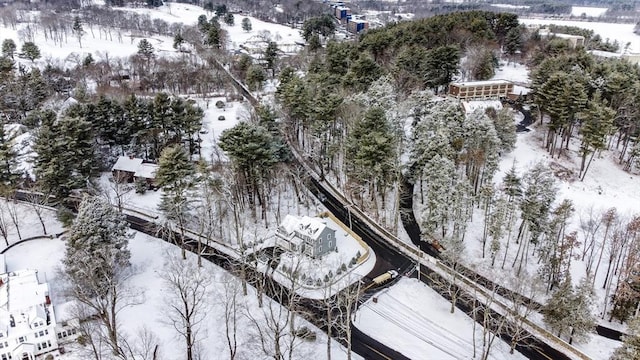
[[462, 29], [83, 139], [592, 99]]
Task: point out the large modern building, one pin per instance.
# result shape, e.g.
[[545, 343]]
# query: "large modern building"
[[356, 26], [481, 90], [573, 40], [310, 236], [633, 58]]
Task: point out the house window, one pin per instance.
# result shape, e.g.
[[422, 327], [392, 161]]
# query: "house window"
[[22, 339], [1, 345]]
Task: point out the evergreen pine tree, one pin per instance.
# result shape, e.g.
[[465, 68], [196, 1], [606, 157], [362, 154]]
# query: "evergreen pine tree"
[[370, 150], [271, 56], [203, 24], [99, 236], [246, 24], [146, 50], [513, 41], [558, 310], [66, 156], [255, 77], [583, 322], [630, 348], [229, 19], [178, 40], [77, 29], [96, 262], [213, 36], [8, 162], [175, 177], [8, 48], [597, 124], [30, 51]]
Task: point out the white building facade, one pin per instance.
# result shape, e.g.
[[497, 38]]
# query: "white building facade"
[[27, 321]]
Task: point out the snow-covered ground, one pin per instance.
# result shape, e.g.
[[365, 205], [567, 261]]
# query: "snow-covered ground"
[[605, 186], [124, 44], [588, 11], [26, 223], [147, 256], [512, 71], [413, 319], [612, 31]]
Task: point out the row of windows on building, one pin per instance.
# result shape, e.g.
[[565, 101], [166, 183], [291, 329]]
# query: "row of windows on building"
[[41, 346], [44, 345], [65, 333]]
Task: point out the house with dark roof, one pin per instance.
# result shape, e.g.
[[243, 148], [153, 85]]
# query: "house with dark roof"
[[310, 236]]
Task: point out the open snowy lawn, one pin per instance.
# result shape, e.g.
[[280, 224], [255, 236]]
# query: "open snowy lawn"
[[513, 72], [588, 11], [124, 43], [70, 53], [28, 224], [147, 255], [612, 31], [284, 36], [260, 30], [413, 319], [216, 121]]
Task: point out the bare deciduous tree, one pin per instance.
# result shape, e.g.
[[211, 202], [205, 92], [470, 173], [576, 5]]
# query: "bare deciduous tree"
[[144, 346], [189, 286], [228, 293], [14, 215], [4, 231], [38, 199]]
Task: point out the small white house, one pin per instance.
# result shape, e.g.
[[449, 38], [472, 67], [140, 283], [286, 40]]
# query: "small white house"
[[310, 236]]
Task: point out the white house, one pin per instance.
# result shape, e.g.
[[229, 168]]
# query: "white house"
[[27, 320], [310, 236]]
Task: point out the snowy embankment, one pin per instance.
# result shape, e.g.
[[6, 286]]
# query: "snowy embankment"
[[605, 186], [415, 320]]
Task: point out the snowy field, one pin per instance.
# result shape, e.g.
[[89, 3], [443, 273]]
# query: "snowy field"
[[612, 31], [26, 222], [147, 255], [413, 319], [124, 44], [588, 11]]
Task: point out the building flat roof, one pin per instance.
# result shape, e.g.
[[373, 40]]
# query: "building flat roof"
[[482, 83]]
